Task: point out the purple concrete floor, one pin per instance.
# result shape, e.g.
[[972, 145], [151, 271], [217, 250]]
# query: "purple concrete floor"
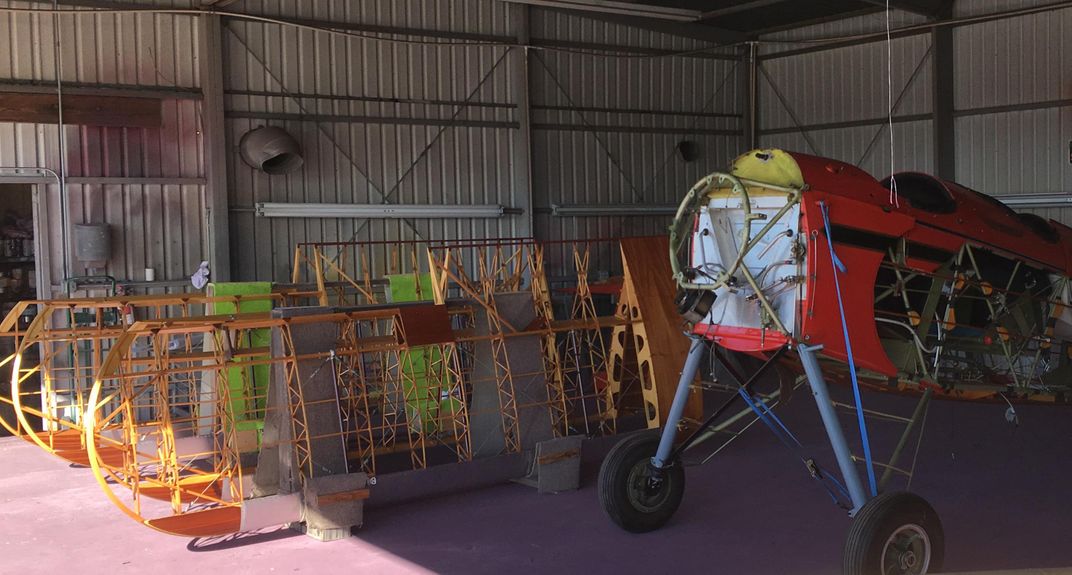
[[1003, 494]]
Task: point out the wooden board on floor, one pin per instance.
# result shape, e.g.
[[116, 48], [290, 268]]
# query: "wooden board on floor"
[[660, 342]]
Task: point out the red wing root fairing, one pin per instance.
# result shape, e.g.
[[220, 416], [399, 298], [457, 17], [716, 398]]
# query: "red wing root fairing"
[[941, 286]]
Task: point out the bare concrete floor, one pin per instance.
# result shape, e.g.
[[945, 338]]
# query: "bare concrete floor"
[[1003, 494]]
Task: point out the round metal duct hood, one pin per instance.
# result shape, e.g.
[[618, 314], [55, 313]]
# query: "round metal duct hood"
[[271, 150]]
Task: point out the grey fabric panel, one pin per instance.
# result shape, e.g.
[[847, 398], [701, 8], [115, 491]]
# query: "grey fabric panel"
[[277, 423], [530, 385], [322, 409], [266, 479]]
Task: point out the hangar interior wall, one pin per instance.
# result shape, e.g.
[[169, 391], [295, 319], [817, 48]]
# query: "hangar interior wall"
[[1012, 103], [606, 128], [435, 102], [147, 183], [555, 124], [414, 102], [379, 122]]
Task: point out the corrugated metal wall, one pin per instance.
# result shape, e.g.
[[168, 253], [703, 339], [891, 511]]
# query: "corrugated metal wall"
[[618, 149], [607, 127], [379, 122], [834, 103], [478, 17], [1014, 102], [440, 124], [156, 224], [1013, 99]]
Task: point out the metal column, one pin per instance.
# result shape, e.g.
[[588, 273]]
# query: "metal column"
[[945, 161], [216, 156], [521, 78]]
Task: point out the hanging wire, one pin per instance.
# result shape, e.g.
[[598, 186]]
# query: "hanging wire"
[[889, 107]]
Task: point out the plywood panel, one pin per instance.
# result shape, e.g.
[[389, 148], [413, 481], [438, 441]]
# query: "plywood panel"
[[660, 342]]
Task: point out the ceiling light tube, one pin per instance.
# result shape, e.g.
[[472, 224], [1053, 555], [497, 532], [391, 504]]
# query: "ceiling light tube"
[[619, 210], [377, 211], [1037, 200]]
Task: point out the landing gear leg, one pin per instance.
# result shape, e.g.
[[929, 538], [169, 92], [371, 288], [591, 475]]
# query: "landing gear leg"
[[895, 533], [640, 483]]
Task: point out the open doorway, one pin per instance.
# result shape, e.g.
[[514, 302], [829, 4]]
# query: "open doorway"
[[18, 271]]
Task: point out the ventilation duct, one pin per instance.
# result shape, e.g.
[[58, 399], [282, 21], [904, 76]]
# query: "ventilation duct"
[[271, 150]]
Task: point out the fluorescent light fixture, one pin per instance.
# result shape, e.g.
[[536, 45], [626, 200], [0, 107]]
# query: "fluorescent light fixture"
[[377, 211], [1037, 200], [634, 210], [627, 8]]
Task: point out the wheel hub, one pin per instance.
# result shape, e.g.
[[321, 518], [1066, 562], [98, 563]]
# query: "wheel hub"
[[646, 489], [907, 551], [908, 560]]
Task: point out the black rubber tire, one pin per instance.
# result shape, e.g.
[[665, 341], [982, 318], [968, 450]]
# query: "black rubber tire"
[[627, 463], [878, 520]]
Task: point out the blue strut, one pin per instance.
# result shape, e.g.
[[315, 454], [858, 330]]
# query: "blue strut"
[[849, 472], [838, 265], [677, 408]]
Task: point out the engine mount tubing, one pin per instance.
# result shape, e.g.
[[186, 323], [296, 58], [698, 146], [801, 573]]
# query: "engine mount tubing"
[[821, 392], [696, 198], [677, 408]]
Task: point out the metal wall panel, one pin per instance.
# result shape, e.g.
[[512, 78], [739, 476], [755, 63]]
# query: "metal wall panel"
[[160, 225], [157, 226], [170, 151], [1009, 66], [1014, 61], [964, 8], [610, 136], [1016, 152], [845, 27], [388, 123], [571, 27], [867, 146], [488, 17], [131, 49], [375, 127], [845, 84]]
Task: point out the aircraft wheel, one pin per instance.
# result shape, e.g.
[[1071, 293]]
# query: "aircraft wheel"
[[896, 533], [635, 495]]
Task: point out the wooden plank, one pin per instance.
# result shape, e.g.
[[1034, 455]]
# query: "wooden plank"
[[208, 523], [79, 109], [356, 495], [426, 325], [560, 456], [660, 344]]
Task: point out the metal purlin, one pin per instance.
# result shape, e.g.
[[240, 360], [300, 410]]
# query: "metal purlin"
[[839, 266]]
